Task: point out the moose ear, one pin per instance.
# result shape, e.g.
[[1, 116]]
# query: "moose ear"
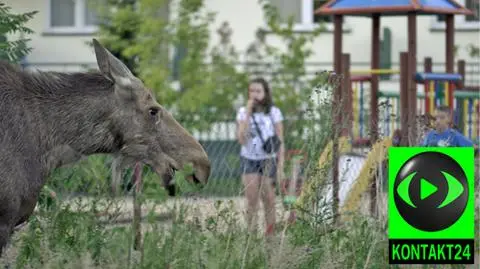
[[109, 65]]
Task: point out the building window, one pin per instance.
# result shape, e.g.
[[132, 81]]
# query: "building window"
[[461, 21], [303, 13], [71, 16], [473, 5]]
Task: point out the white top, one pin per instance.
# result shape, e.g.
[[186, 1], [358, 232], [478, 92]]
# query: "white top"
[[252, 149]]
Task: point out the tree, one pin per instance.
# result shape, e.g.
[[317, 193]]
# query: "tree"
[[229, 81], [206, 91], [209, 80], [14, 51], [293, 87], [118, 23]]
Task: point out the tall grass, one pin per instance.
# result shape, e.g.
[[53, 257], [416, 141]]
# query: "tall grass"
[[64, 238], [61, 237]]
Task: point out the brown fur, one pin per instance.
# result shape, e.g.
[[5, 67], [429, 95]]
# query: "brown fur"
[[48, 119]]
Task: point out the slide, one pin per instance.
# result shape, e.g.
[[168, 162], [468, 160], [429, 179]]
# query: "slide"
[[373, 161], [310, 187], [355, 174]]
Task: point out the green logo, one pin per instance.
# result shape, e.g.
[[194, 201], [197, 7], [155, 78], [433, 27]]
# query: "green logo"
[[431, 205], [454, 189]]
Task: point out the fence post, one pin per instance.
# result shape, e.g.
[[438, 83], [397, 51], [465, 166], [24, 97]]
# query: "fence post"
[[386, 52], [461, 85], [404, 97], [137, 206], [336, 129], [412, 69], [427, 65], [461, 70], [375, 64], [346, 96], [427, 68]]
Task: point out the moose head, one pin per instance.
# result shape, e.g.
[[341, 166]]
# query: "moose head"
[[147, 132]]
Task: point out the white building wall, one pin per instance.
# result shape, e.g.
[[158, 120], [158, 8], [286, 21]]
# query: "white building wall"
[[50, 48], [245, 17]]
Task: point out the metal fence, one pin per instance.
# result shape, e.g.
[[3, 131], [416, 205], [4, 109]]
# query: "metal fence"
[[224, 156], [223, 149]]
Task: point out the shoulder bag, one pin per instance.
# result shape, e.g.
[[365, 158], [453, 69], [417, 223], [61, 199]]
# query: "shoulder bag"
[[272, 144]]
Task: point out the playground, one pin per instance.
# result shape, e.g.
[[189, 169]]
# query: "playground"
[[370, 115]]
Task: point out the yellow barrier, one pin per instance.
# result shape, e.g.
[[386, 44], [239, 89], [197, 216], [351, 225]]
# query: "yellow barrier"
[[374, 159], [310, 188], [374, 72]]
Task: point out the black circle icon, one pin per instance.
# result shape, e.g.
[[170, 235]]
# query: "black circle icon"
[[427, 215]]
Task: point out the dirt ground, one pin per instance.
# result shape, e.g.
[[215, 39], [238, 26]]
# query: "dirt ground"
[[197, 208], [122, 211], [114, 212]]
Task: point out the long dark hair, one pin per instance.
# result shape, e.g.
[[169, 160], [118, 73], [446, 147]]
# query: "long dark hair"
[[267, 101]]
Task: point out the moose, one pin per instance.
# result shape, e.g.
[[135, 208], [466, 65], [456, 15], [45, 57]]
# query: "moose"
[[49, 119]]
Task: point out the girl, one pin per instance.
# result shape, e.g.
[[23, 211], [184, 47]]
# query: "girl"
[[259, 169]]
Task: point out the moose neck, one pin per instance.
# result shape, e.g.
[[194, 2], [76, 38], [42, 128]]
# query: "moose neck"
[[86, 125], [82, 119]]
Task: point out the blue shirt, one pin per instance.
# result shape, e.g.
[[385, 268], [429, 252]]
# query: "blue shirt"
[[448, 138]]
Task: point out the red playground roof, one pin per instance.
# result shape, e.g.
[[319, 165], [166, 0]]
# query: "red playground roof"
[[391, 7]]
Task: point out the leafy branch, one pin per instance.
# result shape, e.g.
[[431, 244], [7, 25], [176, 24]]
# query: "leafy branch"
[[11, 24]]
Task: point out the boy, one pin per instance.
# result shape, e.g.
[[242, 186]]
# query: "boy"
[[443, 135]]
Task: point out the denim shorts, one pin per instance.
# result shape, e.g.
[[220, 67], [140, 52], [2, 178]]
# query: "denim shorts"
[[266, 167]]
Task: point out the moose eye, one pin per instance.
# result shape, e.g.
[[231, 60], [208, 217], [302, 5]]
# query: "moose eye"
[[153, 111]]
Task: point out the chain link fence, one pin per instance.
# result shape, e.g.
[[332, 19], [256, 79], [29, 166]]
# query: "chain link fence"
[[308, 132], [305, 134]]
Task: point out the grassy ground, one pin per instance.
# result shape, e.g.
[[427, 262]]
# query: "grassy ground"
[[196, 233], [203, 232]]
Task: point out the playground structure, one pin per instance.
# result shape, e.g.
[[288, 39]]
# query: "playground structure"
[[438, 89]]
